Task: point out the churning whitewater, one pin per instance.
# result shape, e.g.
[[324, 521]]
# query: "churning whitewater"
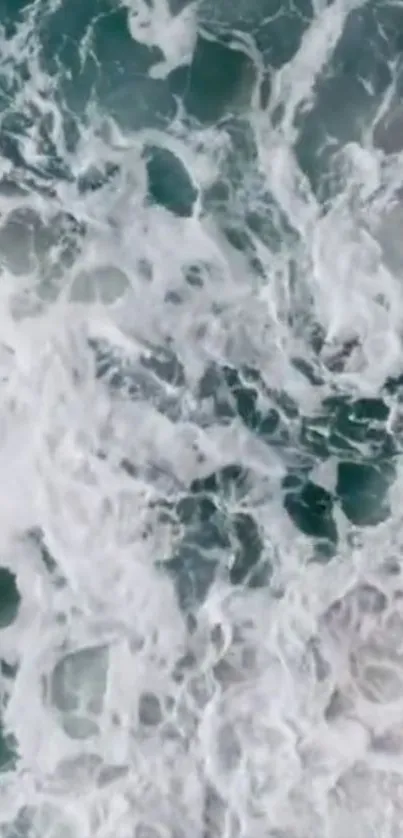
[[201, 421]]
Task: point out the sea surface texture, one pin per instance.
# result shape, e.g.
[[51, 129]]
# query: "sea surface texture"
[[201, 419]]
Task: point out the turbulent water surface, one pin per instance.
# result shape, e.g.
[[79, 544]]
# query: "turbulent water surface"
[[201, 419]]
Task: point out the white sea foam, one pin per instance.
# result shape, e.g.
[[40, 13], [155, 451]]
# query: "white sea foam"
[[273, 712]]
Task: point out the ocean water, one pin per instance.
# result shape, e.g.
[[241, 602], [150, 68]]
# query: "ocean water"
[[201, 419]]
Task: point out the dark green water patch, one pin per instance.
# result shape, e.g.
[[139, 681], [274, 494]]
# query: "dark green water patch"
[[232, 481], [93, 56], [356, 433], [12, 13], [123, 65], [311, 509], [150, 711], [394, 386], [363, 491], [215, 538], [279, 37], [8, 751], [61, 34], [169, 184], [8, 670], [9, 597], [220, 80], [203, 520], [199, 509], [237, 394], [276, 27], [349, 91], [358, 427]]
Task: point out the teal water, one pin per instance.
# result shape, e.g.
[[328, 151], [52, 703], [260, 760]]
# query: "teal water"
[[200, 363]]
